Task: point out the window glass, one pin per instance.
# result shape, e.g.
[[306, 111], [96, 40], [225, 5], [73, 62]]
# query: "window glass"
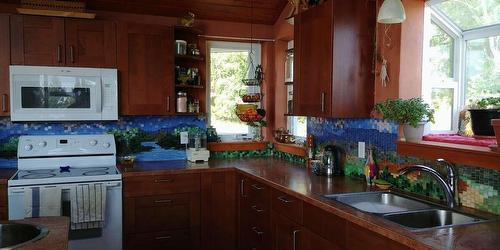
[[442, 103], [297, 125], [482, 68], [229, 65], [441, 48], [470, 14]]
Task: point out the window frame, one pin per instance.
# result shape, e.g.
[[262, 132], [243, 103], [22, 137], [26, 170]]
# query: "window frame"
[[461, 37], [230, 46]]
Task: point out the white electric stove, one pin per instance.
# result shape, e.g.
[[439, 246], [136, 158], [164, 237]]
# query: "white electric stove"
[[66, 161]]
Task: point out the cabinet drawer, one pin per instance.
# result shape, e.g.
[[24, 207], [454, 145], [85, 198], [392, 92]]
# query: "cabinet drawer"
[[174, 240], [162, 200], [160, 184], [254, 235], [255, 192], [255, 215], [287, 205]]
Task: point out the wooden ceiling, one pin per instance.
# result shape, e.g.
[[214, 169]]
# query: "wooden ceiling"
[[264, 11]]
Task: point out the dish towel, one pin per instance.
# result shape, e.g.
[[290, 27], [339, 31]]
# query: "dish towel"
[[42, 201], [88, 206]]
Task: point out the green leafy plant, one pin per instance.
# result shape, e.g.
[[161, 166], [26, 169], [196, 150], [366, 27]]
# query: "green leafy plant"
[[488, 103], [410, 111]]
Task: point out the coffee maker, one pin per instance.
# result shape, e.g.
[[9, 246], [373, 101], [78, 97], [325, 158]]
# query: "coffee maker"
[[332, 160]]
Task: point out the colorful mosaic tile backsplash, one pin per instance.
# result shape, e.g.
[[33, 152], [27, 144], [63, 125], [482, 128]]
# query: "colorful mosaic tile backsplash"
[[478, 187], [156, 137]]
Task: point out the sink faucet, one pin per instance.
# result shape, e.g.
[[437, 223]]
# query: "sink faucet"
[[449, 183]]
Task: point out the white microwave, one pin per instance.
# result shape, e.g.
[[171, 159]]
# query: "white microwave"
[[63, 93]]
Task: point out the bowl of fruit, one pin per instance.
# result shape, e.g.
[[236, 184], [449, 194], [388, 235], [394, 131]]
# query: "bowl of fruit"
[[249, 113], [251, 97]]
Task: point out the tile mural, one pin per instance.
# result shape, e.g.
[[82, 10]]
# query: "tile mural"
[[478, 187], [156, 137]]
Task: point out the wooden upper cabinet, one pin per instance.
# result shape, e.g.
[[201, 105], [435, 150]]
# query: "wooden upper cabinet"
[[334, 46], [146, 66], [313, 61], [37, 40], [4, 64], [49, 41], [90, 43]]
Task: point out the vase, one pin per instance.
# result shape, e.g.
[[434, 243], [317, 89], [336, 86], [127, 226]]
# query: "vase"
[[371, 169]]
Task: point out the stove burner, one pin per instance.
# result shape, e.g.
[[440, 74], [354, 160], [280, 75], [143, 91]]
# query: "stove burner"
[[41, 171], [96, 172], [37, 176]]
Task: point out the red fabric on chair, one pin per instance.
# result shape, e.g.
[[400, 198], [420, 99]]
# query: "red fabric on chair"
[[458, 139]]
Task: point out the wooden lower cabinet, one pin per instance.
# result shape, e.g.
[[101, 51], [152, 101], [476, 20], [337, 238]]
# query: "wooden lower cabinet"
[[3, 202], [218, 211], [162, 212]]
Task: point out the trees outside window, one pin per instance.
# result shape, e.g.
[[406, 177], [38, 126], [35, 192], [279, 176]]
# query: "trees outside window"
[[461, 57]]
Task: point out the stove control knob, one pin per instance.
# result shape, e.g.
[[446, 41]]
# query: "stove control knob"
[[28, 147], [42, 144], [93, 143], [106, 145]]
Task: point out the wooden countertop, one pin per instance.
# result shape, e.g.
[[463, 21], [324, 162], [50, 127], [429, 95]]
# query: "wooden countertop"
[[295, 180], [56, 239]]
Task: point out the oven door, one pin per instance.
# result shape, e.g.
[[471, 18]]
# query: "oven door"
[[55, 96], [108, 237]]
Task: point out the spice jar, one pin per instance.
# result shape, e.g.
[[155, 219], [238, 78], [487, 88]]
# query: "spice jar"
[[181, 102]]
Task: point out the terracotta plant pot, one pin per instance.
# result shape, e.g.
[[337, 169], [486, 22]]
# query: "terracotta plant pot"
[[496, 126]]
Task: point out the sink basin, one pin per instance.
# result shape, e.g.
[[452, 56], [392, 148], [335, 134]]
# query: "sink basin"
[[14, 235], [379, 202], [431, 218]]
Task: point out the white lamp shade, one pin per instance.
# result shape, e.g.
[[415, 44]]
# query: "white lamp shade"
[[391, 11]]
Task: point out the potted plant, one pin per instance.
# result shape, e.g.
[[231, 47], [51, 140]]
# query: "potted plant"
[[481, 114], [412, 114]]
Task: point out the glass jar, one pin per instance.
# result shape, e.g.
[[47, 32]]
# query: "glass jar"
[[181, 102]]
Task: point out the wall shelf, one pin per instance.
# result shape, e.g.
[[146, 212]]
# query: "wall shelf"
[[189, 57], [187, 86]]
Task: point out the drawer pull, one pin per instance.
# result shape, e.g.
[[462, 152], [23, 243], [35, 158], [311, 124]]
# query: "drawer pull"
[[163, 201], [256, 231], [256, 187], [242, 188], [256, 209], [168, 237], [284, 200], [295, 232], [164, 181], [4, 103]]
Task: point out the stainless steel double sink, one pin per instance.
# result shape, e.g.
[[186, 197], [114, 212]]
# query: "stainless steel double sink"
[[408, 212]]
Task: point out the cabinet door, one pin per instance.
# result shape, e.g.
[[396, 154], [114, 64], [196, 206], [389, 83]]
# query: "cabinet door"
[[286, 234], [37, 40], [312, 241], [313, 55], [218, 211], [4, 65], [90, 43], [146, 65]]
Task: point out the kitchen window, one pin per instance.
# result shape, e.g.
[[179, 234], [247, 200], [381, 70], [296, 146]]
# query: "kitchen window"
[[230, 63], [461, 57]]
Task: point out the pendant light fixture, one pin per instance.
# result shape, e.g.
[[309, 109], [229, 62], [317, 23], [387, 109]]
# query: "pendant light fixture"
[[391, 11]]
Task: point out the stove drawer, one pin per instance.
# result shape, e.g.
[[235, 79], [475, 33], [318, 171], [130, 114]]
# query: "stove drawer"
[[137, 186]]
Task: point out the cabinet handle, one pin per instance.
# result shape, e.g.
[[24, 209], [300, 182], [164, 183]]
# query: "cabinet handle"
[[295, 232], [256, 231], [163, 201], [71, 54], [59, 48], [284, 199], [4, 103], [256, 187], [256, 209], [322, 101], [164, 180], [168, 103], [163, 237], [242, 188]]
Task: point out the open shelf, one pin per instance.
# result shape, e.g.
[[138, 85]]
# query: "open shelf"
[[191, 30], [189, 57], [288, 83], [189, 114], [187, 86]]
